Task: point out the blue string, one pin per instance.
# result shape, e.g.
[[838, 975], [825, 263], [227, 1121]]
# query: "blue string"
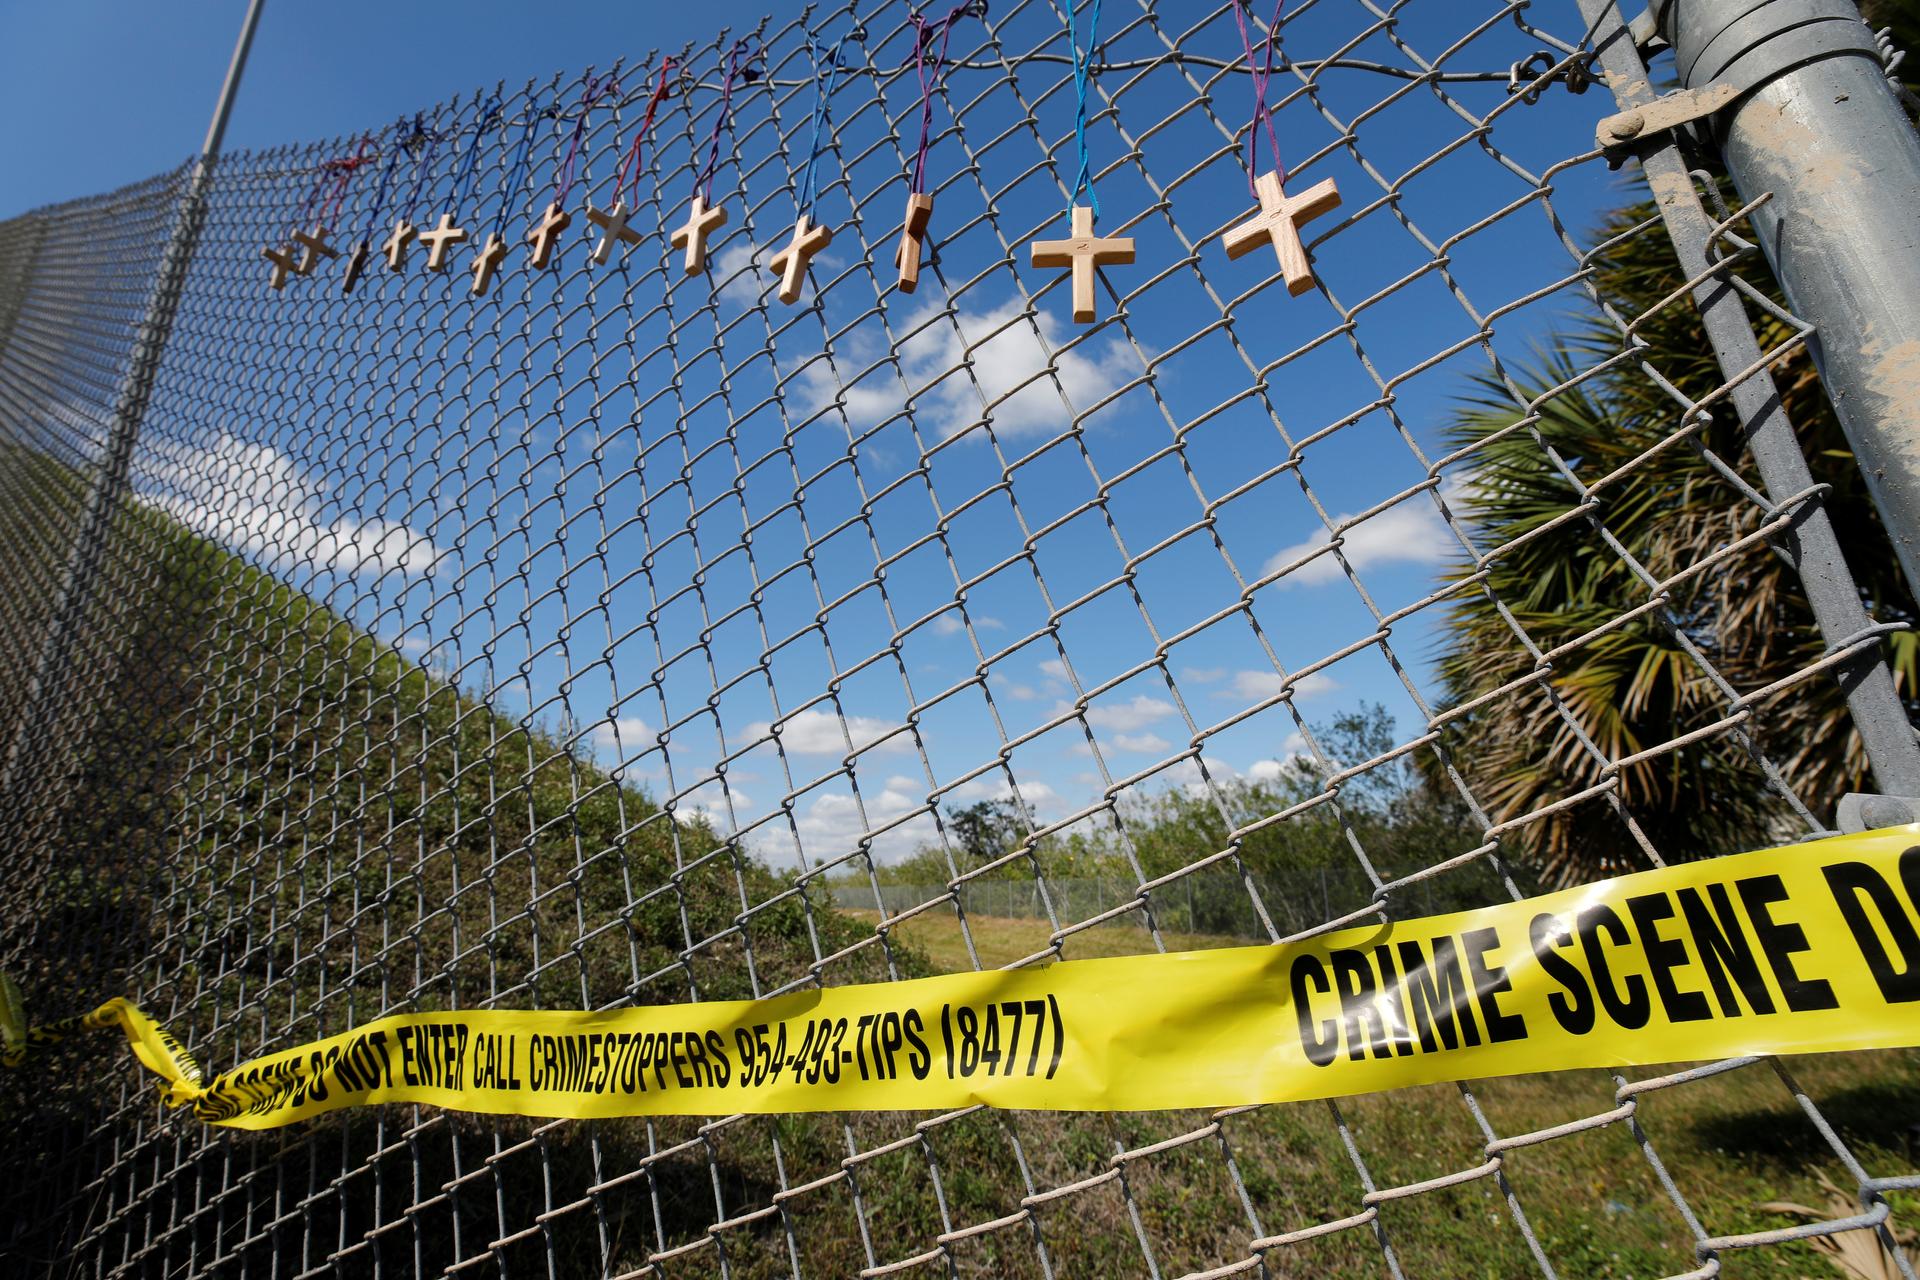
[[426, 140], [380, 197], [513, 184], [463, 181], [1082, 75], [822, 91]]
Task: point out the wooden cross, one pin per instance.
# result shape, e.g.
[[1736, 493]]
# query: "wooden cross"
[[315, 243], [792, 261], [283, 265], [613, 230], [546, 231], [439, 239], [1085, 253], [396, 245], [912, 241], [1279, 220], [486, 262], [701, 221], [356, 266]]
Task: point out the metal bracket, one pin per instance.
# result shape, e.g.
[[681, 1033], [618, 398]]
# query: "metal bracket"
[[1644, 31], [1617, 134], [1865, 811]]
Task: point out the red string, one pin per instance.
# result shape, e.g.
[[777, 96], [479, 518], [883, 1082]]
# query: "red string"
[[631, 163], [1261, 75], [340, 172]]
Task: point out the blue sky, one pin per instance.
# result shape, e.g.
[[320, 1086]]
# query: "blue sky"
[[642, 483]]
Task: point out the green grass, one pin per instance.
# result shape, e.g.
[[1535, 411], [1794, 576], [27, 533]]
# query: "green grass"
[[1000, 940]]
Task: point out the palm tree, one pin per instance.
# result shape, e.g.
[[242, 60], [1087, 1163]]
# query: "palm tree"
[[1637, 686]]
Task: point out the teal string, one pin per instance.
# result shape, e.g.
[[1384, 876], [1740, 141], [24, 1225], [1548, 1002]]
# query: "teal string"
[[514, 183], [469, 166], [1082, 77], [822, 92]]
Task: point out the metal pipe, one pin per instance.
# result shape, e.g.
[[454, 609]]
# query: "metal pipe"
[[51, 710], [1809, 542], [1822, 130]]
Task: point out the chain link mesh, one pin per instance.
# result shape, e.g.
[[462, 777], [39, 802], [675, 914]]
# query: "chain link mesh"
[[592, 642]]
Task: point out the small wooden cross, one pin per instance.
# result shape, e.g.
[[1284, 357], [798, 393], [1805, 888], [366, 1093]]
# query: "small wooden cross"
[[439, 239], [701, 222], [613, 230], [912, 241], [546, 231], [1279, 220], [792, 261], [1085, 253], [315, 243], [356, 266], [283, 265], [396, 245], [486, 262]]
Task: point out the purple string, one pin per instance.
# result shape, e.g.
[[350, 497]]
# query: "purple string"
[[595, 90], [1261, 75], [924, 34], [703, 183]]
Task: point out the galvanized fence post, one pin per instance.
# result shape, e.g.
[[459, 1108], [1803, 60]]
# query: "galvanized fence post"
[[1810, 542]]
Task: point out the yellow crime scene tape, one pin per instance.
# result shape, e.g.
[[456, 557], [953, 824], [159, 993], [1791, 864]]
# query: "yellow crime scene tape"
[[1807, 948]]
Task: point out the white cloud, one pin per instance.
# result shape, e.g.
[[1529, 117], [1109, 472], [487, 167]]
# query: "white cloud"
[[1256, 686], [1013, 688], [256, 500], [1410, 533], [1123, 717], [1013, 356], [739, 280], [994, 786], [1142, 742], [830, 826], [1203, 675], [1055, 668], [1186, 773], [818, 733], [633, 735], [950, 623]]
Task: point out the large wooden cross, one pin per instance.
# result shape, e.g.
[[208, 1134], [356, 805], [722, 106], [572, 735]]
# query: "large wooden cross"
[[284, 265], [1085, 253], [546, 231], [316, 246], [792, 261], [440, 239], [1279, 221], [701, 222], [396, 245], [486, 262], [913, 235], [613, 230]]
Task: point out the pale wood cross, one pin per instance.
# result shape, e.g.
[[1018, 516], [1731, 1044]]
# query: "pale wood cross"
[[356, 266], [396, 245], [440, 239], [912, 241], [546, 231], [283, 265], [792, 261], [1279, 221], [613, 230], [701, 221], [1085, 253], [486, 262], [315, 243]]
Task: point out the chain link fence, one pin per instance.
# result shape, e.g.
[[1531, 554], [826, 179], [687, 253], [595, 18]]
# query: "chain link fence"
[[615, 637]]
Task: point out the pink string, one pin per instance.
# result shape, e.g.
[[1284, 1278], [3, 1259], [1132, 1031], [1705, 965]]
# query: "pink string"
[[924, 34], [1261, 75], [340, 172], [631, 163]]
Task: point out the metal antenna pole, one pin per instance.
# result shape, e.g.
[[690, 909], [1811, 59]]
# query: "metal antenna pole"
[[1822, 130], [52, 713]]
